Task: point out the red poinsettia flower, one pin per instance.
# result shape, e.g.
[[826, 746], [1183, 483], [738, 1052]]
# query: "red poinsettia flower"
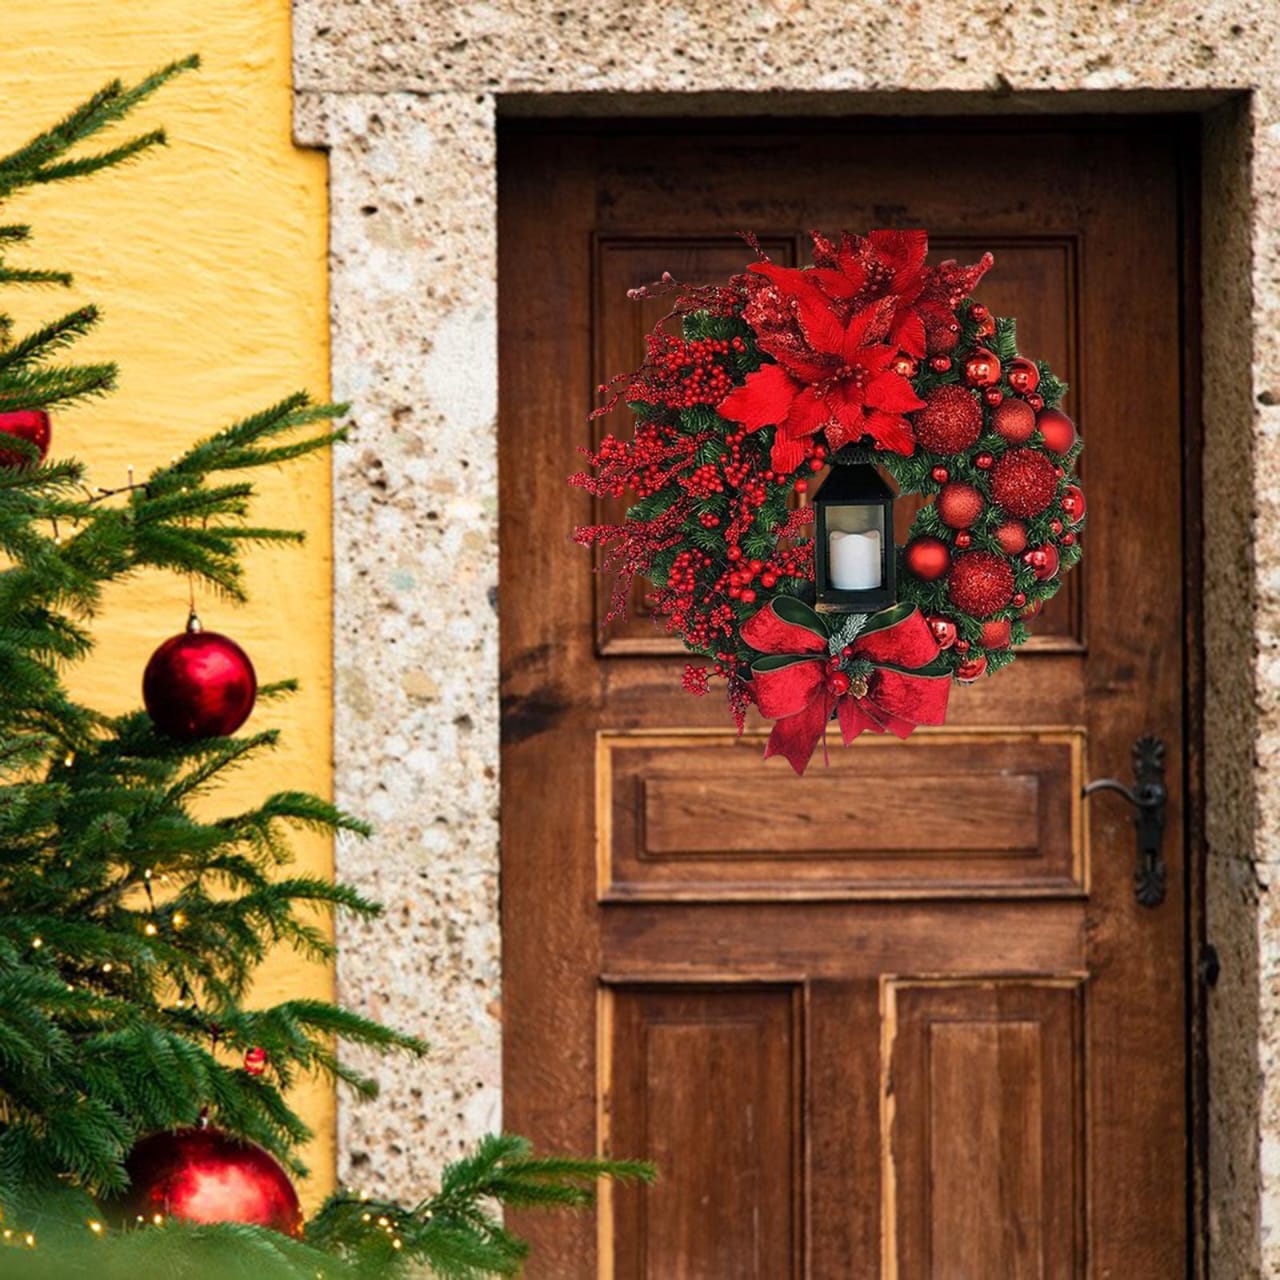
[[832, 376]]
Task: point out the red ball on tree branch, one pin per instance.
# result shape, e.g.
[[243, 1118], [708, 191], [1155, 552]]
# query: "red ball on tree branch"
[[31, 425], [1058, 430], [1014, 421], [950, 420], [940, 335], [943, 629], [927, 558], [205, 1175], [1042, 561], [982, 369], [996, 633], [1022, 375], [1023, 482], [1012, 537], [971, 669], [199, 685], [1073, 504], [959, 504], [980, 583]]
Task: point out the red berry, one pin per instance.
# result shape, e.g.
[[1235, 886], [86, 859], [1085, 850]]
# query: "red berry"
[[748, 596], [734, 553], [769, 580], [1019, 599], [802, 486], [978, 312], [816, 464], [838, 683]]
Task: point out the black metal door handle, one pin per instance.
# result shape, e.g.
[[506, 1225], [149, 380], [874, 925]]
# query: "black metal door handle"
[[1148, 797]]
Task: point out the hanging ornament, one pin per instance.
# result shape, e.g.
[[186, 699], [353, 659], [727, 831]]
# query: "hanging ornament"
[[971, 669], [982, 369], [205, 1175], [996, 633], [927, 558], [940, 474], [1014, 421], [31, 425], [1022, 375], [1072, 504], [984, 461], [255, 1061], [1031, 609], [1012, 537], [959, 504], [1023, 482], [963, 539], [950, 420], [1058, 430], [1042, 561], [980, 583], [993, 396], [940, 364], [944, 630], [199, 685]]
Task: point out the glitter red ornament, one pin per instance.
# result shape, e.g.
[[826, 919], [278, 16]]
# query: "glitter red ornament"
[[1042, 561], [1014, 421], [980, 583], [199, 685], [982, 369], [971, 669], [1022, 375], [959, 504], [927, 558], [996, 633], [1012, 537], [950, 420], [1073, 504], [940, 335], [943, 629], [31, 425], [1023, 482], [1058, 430], [205, 1175]]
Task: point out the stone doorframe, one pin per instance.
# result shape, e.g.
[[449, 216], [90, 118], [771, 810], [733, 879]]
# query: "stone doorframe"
[[405, 96]]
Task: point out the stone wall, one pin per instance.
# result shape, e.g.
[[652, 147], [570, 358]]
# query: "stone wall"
[[405, 95]]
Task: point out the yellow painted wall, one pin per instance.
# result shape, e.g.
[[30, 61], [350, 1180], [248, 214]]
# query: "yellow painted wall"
[[208, 260]]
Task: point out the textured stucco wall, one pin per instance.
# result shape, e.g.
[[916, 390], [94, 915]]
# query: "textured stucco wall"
[[405, 94], [208, 262]]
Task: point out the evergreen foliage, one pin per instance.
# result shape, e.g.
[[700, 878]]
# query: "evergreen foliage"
[[133, 922]]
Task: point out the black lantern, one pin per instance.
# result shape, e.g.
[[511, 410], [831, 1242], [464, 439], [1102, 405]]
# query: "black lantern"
[[855, 563]]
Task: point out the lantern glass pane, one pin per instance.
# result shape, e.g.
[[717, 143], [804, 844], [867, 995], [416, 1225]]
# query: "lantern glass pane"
[[856, 539]]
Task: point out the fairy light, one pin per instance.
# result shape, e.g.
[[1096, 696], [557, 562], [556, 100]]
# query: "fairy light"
[[397, 1243], [150, 929], [95, 1226], [179, 920], [69, 759], [37, 943], [107, 968], [30, 1239]]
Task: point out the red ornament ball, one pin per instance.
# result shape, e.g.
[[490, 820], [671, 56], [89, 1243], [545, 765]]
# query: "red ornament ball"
[[838, 683], [963, 539], [943, 629], [984, 462], [31, 425], [1022, 375], [1014, 421], [993, 396], [959, 504], [1073, 504], [1012, 537], [977, 311], [1023, 482], [1058, 430], [962, 646], [1032, 609], [199, 685], [1042, 561], [971, 669], [1019, 599], [255, 1061], [1068, 539], [1035, 402], [940, 364], [940, 474], [941, 335], [996, 633], [205, 1175], [950, 420], [980, 583], [982, 369], [927, 558]]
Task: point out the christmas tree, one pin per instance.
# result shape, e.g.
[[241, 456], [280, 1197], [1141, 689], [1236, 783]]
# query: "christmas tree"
[[133, 922]]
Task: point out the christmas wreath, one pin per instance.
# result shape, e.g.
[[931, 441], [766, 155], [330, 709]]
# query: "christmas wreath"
[[869, 363]]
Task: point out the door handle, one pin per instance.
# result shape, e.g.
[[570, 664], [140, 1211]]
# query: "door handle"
[[1148, 797]]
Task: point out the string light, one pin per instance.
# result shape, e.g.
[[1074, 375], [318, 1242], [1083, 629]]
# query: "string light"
[[150, 929], [95, 1226], [179, 920], [36, 944]]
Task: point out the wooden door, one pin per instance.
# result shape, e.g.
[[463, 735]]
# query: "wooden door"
[[902, 1017]]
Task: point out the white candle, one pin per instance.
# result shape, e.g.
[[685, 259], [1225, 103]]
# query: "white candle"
[[854, 560]]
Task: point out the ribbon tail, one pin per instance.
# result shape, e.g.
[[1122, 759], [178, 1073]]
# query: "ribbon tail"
[[795, 737]]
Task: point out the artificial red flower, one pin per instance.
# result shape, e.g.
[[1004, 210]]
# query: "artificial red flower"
[[830, 376]]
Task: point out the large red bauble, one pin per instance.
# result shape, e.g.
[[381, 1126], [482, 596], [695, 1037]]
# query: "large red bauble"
[[1073, 506], [1014, 420], [959, 504], [980, 583], [31, 425], [199, 685], [1012, 537], [1023, 482], [1058, 430], [971, 669], [1042, 561], [205, 1175], [982, 369], [927, 558], [950, 420], [996, 633]]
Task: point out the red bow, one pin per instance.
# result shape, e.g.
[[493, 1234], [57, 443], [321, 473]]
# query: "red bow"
[[893, 682]]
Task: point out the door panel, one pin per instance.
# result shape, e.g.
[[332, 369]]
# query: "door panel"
[[901, 1017]]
